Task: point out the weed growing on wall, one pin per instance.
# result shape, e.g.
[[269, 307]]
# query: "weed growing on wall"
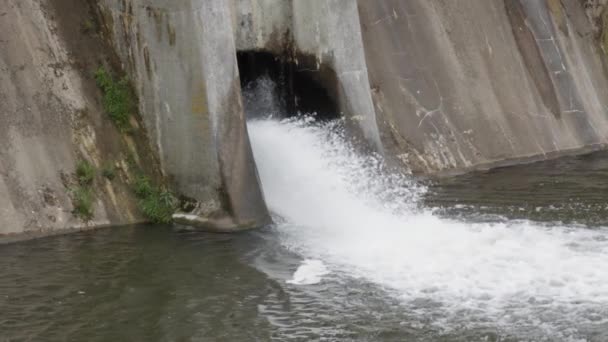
[[85, 172], [118, 98], [108, 172], [82, 193], [156, 203], [82, 200]]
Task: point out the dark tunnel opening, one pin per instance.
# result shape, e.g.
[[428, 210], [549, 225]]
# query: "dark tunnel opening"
[[281, 87]]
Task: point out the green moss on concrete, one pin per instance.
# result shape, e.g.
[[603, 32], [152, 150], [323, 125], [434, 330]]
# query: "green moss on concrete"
[[82, 200], [156, 203], [108, 172], [118, 98], [82, 193], [88, 26], [85, 172], [142, 186]]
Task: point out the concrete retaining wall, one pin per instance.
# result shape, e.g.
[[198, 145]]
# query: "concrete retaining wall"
[[467, 84]]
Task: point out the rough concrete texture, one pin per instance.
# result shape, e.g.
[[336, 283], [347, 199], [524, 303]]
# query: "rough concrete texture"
[[443, 86], [182, 58], [51, 117], [594, 10], [462, 84], [328, 30]]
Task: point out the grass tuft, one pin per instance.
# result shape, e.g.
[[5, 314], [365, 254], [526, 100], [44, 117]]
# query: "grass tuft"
[[143, 187], [88, 26], [156, 203], [159, 207], [85, 172], [118, 98], [108, 172], [82, 194], [82, 200]]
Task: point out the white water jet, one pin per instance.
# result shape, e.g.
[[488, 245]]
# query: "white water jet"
[[343, 209]]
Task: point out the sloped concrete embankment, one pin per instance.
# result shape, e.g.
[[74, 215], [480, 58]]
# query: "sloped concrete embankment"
[[460, 85], [51, 119]]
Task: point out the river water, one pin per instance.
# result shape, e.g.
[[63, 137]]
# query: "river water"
[[357, 253]]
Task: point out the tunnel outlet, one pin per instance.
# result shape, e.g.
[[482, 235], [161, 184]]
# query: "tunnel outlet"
[[281, 86]]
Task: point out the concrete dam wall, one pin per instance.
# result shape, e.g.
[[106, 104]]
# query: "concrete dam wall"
[[467, 84], [182, 59], [52, 121], [437, 87]]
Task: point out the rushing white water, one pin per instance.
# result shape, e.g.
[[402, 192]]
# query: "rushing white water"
[[343, 209]]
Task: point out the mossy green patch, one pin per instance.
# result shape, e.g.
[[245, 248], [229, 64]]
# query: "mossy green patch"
[[154, 201], [108, 172], [88, 26], [143, 187], [82, 200], [118, 98], [157, 204], [82, 193], [85, 172]]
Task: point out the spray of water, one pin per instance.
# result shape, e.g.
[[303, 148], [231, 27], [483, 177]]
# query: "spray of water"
[[343, 209]]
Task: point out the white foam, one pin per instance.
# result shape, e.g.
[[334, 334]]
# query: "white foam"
[[343, 209], [309, 273]]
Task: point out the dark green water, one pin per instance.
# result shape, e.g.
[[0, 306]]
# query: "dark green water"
[[572, 190], [155, 283]]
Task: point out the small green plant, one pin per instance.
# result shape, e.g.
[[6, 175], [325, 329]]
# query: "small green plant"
[[108, 172], [157, 204], [88, 26], [132, 161], [82, 200], [85, 172], [117, 98], [82, 193], [143, 187]]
